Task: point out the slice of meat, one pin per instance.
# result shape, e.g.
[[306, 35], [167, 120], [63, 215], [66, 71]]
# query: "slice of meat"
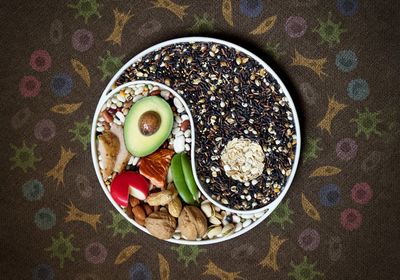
[[123, 154], [108, 147]]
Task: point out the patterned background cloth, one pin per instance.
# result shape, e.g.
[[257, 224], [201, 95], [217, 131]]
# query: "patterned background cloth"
[[339, 60]]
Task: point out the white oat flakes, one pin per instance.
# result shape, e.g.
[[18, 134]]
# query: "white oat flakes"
[[243, 159]]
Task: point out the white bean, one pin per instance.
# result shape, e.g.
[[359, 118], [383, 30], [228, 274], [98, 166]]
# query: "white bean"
[[175, 130], [138, 90], [120, 116], [179, 144], [177, 103], [178, 133], [165, 94], [178, 119], [135, 160], [137, 98], [121, 98]]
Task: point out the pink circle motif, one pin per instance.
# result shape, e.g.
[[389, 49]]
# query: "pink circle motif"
[[346, 149], [95, 253], [351, 219], [40, 60], [309, 239], [361, 193], [45, 130], [295, 26], [29, 86], [82, 40]]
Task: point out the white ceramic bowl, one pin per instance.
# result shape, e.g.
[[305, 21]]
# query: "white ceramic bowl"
[[269, 207]]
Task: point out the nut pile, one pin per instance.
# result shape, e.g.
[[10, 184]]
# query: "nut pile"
[[230, 96]]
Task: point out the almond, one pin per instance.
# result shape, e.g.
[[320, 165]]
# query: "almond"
[[138, 212], [139, 221], [133, 201], [148, 209]]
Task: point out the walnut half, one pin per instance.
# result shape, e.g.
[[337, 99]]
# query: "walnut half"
[[161, 225], [192, 223]]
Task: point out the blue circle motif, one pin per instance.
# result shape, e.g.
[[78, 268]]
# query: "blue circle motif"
[[358, 89], [347, 7], [45, 219], [251, 8], [61, 85], [329, 195], [140, 271], [43, 272], [346, 60], [33, 190]]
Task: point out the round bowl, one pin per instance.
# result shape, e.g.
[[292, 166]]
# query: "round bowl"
[[267, 209]]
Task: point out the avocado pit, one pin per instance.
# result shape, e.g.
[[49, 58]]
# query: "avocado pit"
[[149, 123]]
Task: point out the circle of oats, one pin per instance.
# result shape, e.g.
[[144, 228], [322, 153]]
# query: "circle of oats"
[[108, 91], [242, 159]]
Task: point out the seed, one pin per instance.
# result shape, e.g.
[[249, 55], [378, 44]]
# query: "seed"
[[247, 223], [238, 226], [214, 220], [214, 231], [228, 230]]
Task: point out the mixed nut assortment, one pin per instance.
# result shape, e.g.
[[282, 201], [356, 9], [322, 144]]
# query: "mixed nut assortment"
[[152, 179], [233, 98]]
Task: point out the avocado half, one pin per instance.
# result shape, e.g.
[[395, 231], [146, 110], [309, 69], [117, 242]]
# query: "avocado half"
[[147, 125]]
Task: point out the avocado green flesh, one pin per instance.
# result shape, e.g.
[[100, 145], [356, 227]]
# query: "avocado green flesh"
[[139, 144], [179, 180], [189, 179]]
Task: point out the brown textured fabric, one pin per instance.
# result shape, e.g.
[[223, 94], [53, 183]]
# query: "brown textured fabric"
[[367, 252]]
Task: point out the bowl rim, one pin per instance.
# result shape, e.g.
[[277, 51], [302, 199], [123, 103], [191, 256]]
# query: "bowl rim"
[[96, 165], [269, 207]]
